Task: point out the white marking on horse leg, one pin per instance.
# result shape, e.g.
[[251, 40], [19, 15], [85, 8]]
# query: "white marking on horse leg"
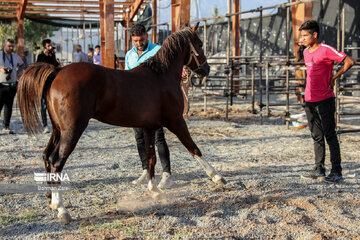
[[56, 199], [210, 171], [57, 204]]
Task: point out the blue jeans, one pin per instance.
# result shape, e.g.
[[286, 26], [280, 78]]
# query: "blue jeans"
[[43, 112]]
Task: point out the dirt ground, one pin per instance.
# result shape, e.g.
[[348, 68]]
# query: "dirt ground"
[[264, 198]]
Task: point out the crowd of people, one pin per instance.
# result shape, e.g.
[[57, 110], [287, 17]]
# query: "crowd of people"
[[12, 66]]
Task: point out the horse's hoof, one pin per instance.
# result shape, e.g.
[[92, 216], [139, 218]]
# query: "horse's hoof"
[[64, 217], [156, 195], [219, 180], [54, 206]]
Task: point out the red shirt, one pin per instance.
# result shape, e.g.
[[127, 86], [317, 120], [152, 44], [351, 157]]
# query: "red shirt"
[[319, 66]]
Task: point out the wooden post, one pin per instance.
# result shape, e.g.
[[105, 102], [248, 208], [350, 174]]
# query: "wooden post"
[[228, 58], [300, 13], [72, 44], [130, 14], [102, 31], [109, 52], [236, 38], [205, 53], [117, 39], [236, 29], [20, 28], [84, 38], [180, 14], [61, 44], [67, 46], [78, 35], [127, 26], [154, 21], [91, 37]]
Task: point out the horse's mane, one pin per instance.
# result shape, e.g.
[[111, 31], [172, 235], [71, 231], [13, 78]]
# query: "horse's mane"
[[172, 45]]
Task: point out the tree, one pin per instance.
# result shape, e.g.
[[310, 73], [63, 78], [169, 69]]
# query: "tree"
[[34, 32], [215, 14]]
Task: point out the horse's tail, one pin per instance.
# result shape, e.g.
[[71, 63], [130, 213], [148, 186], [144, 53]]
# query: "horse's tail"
[[34, 82]]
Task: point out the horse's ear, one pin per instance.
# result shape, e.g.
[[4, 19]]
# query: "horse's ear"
[[196, 27]]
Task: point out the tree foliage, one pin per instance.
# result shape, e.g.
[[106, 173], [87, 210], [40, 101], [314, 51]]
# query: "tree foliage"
[[215, 14], [34, 32]]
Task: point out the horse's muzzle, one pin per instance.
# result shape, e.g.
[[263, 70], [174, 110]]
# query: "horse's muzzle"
[[203, 70]]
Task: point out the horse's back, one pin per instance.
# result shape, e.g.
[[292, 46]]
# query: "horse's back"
[[134, 98], [74, 91]]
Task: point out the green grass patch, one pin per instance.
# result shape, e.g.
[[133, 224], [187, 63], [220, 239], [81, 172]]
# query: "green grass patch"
[[115, 225], [24, 217]]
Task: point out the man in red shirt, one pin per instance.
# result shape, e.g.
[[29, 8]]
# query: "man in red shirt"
[[320, 99]]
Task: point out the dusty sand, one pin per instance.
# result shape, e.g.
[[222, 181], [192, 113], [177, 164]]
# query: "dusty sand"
[[264, 198]]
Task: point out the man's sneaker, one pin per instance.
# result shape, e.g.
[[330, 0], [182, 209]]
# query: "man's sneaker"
[[166, 181], [46, 129], [334, 177], [142, 179], [7, 130], [314, 174]]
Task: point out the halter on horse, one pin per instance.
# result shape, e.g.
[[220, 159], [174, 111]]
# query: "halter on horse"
[[148, 97]]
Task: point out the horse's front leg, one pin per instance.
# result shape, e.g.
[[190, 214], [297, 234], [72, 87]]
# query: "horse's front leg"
[[179, 128], [149, 136]]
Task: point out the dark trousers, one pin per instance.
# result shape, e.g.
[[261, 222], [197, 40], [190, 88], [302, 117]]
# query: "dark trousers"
[[321, 118], [161, 145], [43, 112], [7, 94]]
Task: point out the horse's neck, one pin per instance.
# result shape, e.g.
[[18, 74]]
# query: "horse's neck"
[[176, 68]]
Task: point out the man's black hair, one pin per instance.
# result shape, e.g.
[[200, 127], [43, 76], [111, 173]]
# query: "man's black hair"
[[10, 40], [137, 30], [310, 25], [91, 49], [97, 46], [45, 41]]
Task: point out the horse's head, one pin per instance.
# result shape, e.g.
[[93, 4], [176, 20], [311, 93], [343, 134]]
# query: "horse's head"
[[196, 59]]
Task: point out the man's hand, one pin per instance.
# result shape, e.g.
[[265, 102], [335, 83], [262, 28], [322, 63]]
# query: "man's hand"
[[46, 52], [185, 73], [332, 83], [2, 70]]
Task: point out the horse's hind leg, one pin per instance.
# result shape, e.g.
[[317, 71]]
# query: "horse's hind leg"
[[149, 136], [180, 129], [53, 141], [63, 149]]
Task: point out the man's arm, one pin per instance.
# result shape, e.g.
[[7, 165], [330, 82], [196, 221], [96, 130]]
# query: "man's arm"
[[126, 61], [54, 61], [2, 65], [348, 63]]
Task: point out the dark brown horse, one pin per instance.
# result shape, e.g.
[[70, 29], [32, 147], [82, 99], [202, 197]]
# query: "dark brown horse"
[[148, 97]]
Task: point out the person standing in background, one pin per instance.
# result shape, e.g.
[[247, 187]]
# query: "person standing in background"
[[91, 55], [11, 66], [81, 56], [47, 56], [97, 55]]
